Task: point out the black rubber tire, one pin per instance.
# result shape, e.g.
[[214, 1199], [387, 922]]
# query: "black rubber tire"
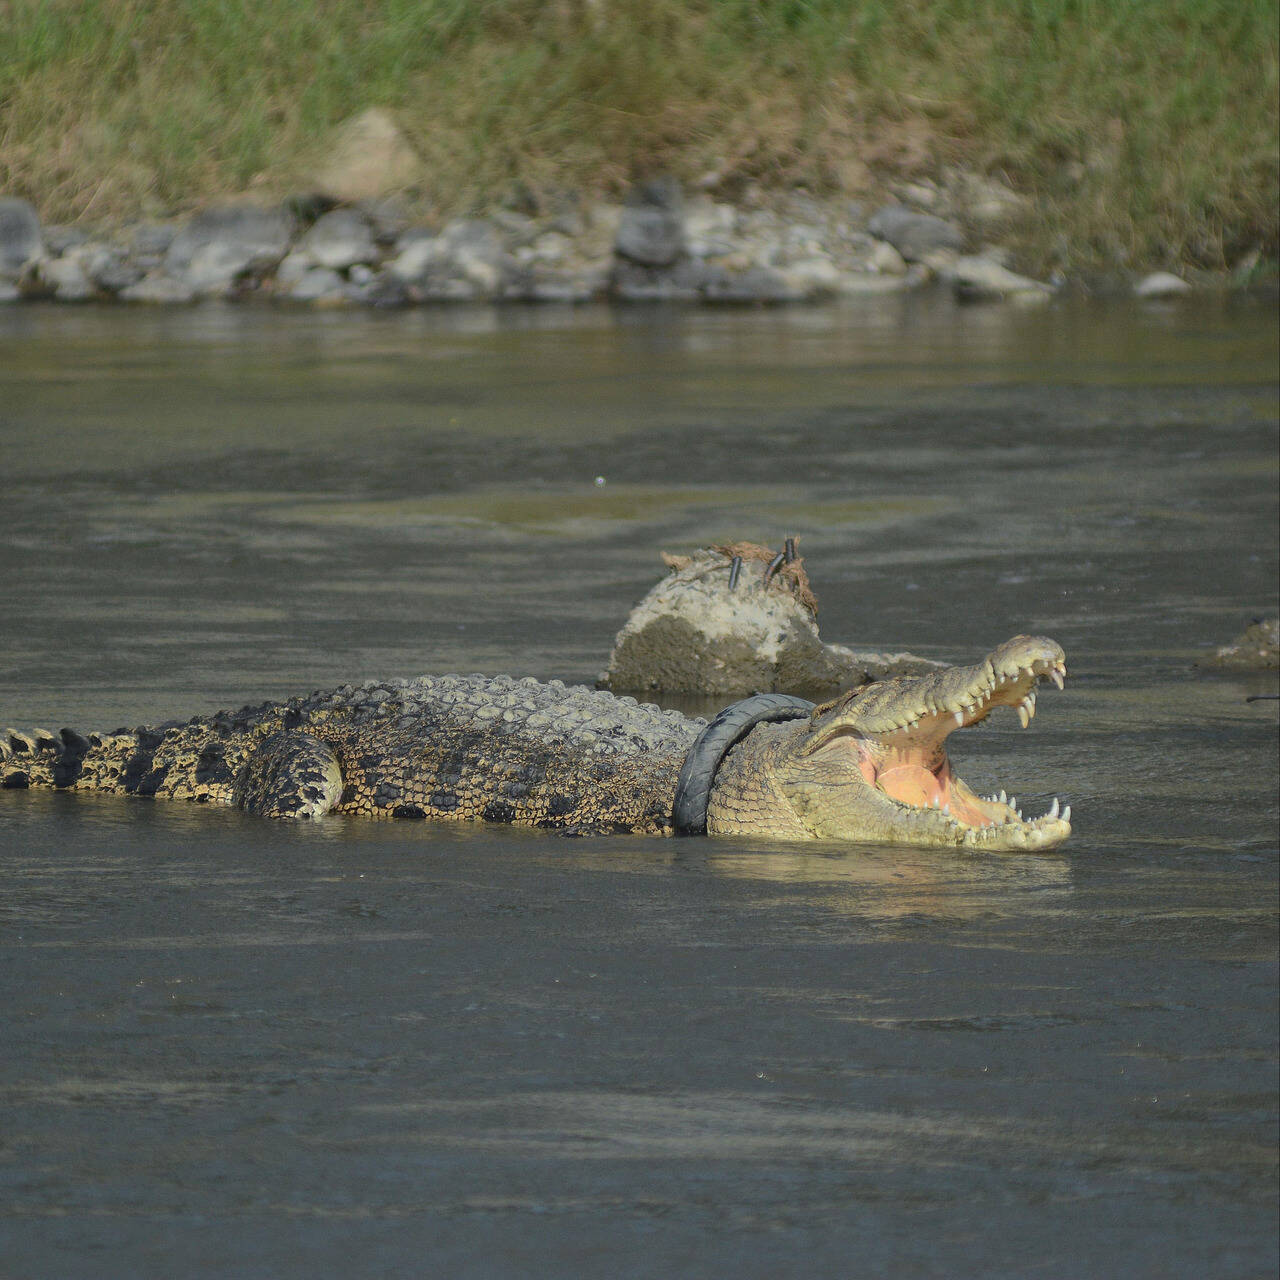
[[698, 773]]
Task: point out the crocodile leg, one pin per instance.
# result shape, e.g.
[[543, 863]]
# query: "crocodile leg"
[[289, 775]]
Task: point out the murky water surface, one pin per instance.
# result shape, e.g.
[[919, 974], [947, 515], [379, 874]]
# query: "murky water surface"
[[239, 1048]]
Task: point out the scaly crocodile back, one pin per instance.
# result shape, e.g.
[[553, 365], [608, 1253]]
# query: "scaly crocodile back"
[[451, 747]]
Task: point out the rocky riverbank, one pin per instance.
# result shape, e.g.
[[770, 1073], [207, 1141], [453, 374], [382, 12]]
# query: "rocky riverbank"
[[661, 244]]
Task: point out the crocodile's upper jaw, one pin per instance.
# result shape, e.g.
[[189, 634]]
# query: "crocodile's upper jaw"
[[893, 734]]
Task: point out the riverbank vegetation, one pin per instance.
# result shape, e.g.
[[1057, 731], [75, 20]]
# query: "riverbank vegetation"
[[1143, 132]]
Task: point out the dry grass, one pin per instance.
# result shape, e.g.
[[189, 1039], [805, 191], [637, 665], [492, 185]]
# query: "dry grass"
[[1145, 132]]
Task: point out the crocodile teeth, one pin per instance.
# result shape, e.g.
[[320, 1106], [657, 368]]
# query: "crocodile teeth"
[[959, 717], [1066, 813], [1053, 809], [1057, 678], [1004, 799], [1022, 715]]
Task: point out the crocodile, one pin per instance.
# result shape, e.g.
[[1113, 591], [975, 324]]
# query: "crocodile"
[[868, 766]]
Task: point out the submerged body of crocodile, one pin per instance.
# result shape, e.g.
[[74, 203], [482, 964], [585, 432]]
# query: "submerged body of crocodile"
[[869, 766]]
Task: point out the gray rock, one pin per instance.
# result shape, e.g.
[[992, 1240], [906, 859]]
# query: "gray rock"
[[370, 158], [67, 278], [600, 223], [157, 287], [517, 283], [478, 261], [319, 285], [215, 268], [816, 277], [1258, 649], [651, 230], [754, 285], [1161, 284], [709, 228], [566, 216], [518, 229], [109, 268], [985, 200], [339, 240], [551, 247], [21, 245], [885, 260], [682, 281], [388, 219], [449, 288], [803, 240], [710, 247], [691, 634], [413, 235], [385, 289], [924, 193], [416, 251], [854, 284], [694, 634], [475, 235], [915, 235], [940, 263], [566, 286], [58, 239], [981, 279], [998, 253], [261, 230], [222, 245], [466, 262], [152, 239], [294, 266]]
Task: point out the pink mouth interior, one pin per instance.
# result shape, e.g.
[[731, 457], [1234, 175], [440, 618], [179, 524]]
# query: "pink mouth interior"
[[913, 782]]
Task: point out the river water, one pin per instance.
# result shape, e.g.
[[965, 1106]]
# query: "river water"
[[241, 1048]]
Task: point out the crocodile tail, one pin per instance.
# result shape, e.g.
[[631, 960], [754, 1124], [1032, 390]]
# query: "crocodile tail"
[[38, 758]]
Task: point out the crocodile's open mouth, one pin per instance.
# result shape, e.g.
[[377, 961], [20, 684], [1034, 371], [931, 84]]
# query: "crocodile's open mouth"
[[896, 736]]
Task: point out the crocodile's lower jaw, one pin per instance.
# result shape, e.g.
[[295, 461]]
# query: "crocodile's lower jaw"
[[946, 811], [917, 786], [1040, 833]]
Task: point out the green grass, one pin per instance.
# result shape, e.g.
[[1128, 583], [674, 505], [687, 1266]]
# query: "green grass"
[[1144, 131]]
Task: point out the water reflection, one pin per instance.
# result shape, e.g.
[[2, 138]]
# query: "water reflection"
[[901, 881]]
